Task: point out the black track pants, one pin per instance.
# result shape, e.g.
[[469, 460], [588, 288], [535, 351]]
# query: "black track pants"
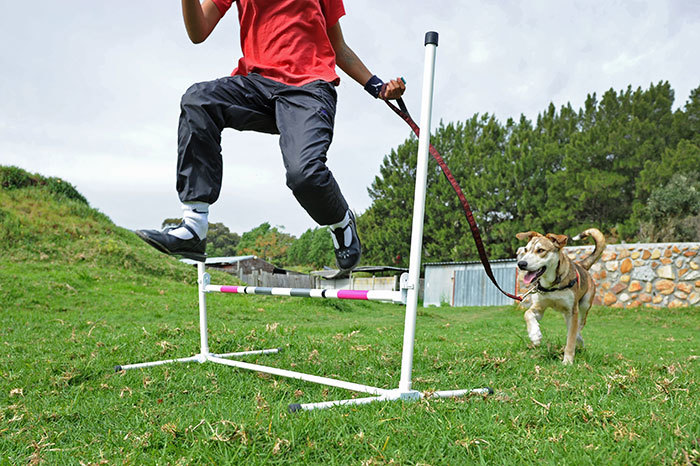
[[303, 117]]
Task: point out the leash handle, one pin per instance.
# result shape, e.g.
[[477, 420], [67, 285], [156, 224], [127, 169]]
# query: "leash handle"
[[402, 111]]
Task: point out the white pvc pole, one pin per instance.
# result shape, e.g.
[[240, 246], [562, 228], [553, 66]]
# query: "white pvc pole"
[[246, 353], [431, 41], [355, 387], [458, 393], [331, 404], [141, 365], [203, 331]]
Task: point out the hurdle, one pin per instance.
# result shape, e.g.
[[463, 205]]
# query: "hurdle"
[[408, 294]]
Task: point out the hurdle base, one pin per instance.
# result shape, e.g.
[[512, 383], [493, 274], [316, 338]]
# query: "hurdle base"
[[380, 394], [200, 358], [390, 395]]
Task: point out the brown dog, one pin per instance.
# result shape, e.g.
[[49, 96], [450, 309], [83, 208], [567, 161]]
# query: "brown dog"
[[559, 283]]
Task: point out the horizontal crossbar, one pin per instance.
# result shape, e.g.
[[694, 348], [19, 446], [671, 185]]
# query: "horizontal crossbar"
[[371, 295]]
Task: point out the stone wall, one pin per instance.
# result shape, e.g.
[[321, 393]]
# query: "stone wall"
[[634, 275]]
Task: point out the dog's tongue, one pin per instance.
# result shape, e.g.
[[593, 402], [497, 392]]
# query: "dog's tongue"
[[529, 277]]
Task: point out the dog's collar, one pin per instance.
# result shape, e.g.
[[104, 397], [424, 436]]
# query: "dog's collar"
[[573, 282]]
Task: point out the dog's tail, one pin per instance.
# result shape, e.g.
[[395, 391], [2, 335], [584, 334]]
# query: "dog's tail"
[[599, 246]]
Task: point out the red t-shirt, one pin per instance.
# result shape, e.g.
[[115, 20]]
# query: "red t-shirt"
[[287, 40]]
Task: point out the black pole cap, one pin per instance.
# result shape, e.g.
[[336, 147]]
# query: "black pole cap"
[[294, 407], [431, 37]]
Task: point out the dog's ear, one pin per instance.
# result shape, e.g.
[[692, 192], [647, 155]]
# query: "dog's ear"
[[526, 235], [558, 240]]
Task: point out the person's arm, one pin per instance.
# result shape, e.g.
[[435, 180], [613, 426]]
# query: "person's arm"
[[351, 64], [200, 19]]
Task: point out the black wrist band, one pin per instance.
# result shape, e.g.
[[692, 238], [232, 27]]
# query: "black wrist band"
[[374, 86]]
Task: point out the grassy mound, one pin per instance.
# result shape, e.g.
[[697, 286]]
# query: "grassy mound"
[[47, 221]]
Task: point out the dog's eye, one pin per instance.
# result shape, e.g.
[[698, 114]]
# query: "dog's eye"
[[540, 250]]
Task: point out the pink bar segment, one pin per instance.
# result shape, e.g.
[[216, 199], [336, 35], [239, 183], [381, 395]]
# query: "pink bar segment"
[[229, 289], [352, 294]]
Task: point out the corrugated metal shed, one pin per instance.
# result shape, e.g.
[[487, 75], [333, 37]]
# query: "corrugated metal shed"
[[466, 283]]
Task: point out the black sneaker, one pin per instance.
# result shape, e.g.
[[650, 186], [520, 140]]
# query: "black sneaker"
[[347, 257], [193, 248]]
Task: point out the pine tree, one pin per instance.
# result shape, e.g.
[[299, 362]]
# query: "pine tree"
[[385, 228], [596, 166]]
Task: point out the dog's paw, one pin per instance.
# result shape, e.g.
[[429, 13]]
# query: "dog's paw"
[[536, 338], [568, 360]]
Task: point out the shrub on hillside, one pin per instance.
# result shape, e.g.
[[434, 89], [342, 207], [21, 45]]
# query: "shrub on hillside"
[[17, 178]]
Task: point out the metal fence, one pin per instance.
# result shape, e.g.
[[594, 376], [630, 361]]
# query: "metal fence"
[[466, 283], [276, 280], [474, 288]]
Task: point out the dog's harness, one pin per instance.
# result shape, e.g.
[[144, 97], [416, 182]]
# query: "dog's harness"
[[541, 289], [402, 111]]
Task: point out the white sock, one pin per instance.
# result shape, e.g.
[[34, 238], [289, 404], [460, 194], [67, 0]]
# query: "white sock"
[[347, 232], [196, 216]]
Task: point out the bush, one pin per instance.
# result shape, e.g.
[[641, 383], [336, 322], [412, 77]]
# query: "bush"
[[672, 211], [17, 178]]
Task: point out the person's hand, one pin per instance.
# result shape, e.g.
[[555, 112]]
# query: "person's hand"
[[393, 89]]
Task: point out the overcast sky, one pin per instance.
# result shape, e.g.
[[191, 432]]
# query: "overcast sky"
[[90, 90]]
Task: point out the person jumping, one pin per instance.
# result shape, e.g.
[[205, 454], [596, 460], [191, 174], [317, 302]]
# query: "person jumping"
[[284, 84]]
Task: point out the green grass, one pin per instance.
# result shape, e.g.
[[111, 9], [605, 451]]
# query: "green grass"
[[79, 295]]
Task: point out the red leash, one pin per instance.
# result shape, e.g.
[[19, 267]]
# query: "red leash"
[[402, 111]]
